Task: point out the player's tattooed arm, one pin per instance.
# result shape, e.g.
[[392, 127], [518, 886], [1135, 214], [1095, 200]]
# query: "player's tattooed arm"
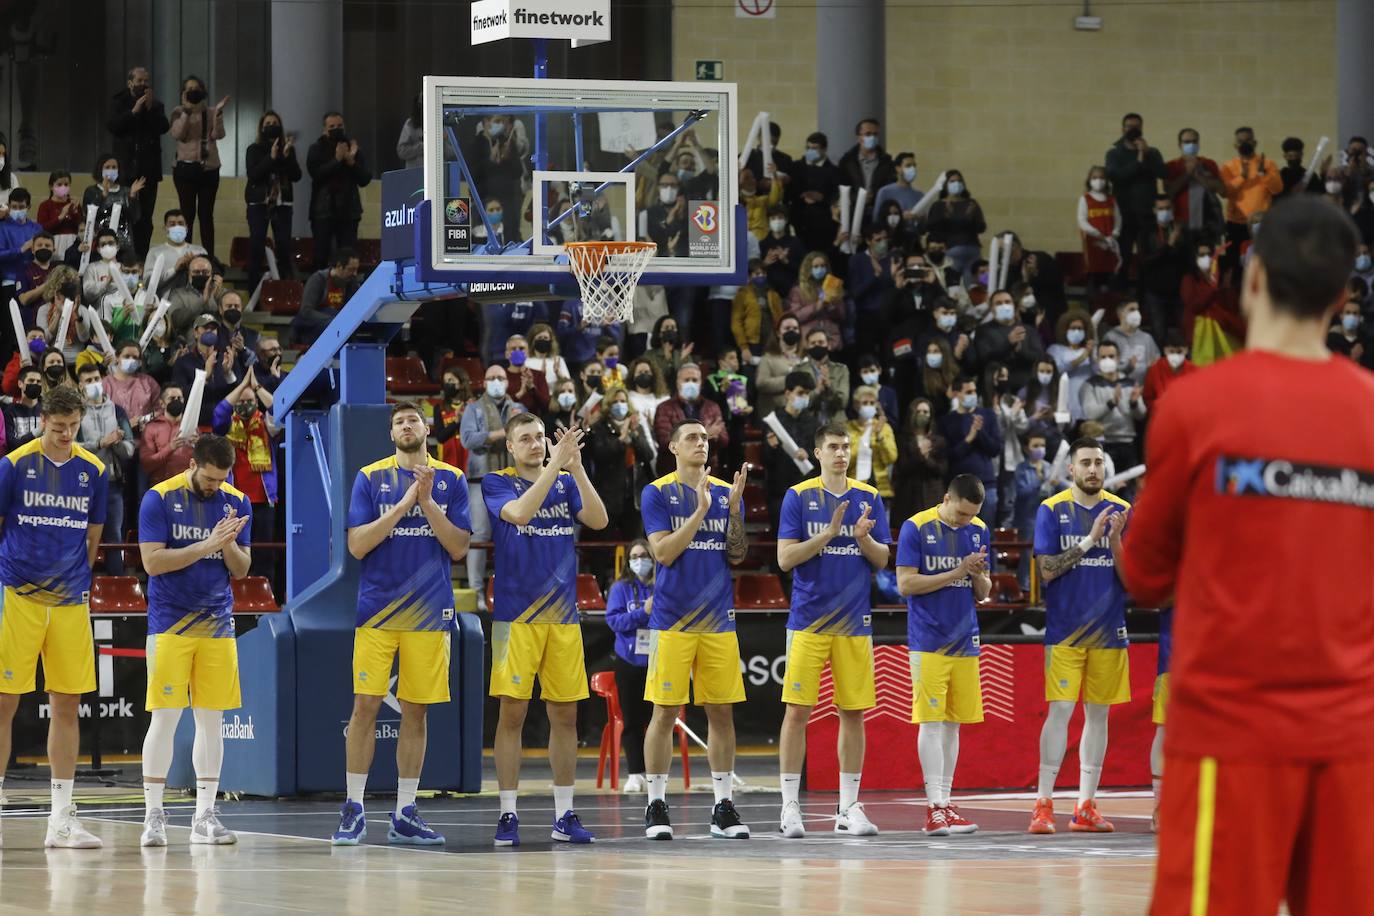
[[736, 540], [1053, 567]]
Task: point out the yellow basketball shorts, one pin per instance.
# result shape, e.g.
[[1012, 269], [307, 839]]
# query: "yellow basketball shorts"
[[424, 663], [851, 669], [60, 635], [945, 688], [704, 664], [1161, 700], [552, 652], [1104, 675], [199, 671]]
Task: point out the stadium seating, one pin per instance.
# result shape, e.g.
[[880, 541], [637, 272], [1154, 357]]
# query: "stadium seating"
[[282, 297], [406, 375], [589, 597], [253, 595], [117, 595], [759, 591]]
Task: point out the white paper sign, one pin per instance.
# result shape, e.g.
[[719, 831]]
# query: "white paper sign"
[[789, 445], [622, 130], [25, 357], [191, 418], [567, 20]]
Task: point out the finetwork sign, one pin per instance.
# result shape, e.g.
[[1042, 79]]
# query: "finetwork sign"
[[573, 20]]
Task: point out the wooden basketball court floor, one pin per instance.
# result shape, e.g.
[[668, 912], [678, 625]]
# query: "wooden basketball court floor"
[[283, 862]]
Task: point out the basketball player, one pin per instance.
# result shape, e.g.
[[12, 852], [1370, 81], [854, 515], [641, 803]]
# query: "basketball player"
[[407, 523], [193, 532], [52, 499], [832, 535], [942, 570], [1258, 523], [695, 525], [535, 630], [1085, 629], [1161, 702]]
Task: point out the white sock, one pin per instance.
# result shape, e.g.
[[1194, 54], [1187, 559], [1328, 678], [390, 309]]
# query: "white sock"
[[658, 786], [949, 745], [508, 801], [849, 789], [1087, 783], [562, 800], [930, 750], [152, 797], [206, 791], [405, 793], [2, 783], [1048, 776], [61, 795], [357, 785], [720, 783], [791, 787]]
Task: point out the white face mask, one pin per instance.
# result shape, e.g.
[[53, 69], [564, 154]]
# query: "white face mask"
[[566, 400], [1164, 217], [894, 220], [1027, 303], [868, 411], [641, 566], [668, 195], [94, 391], [778, 225], [496, 388], [1074, 336], [935, 360], [1004, 311], [800, 402], [1132, 319], [1204, 262], [1107, 365], [1175, 359], [946, 322], [870, 378], [1333, 187], [1045, 377], [108, 252], [1097, 184]]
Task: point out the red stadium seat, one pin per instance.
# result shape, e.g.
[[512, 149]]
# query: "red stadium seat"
[[603, 685], [1005, 535], [117, 595], [282, 297], [755, 504], [759, 590], [253, 595], [1006, 590], [239, 249], [303, 253], [469, 364], [406, 375], [753, 454], [1073, 266], [589, 597]]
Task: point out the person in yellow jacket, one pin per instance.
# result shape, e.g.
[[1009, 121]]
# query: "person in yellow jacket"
[[747, 321], [872, 443], [758, 194]]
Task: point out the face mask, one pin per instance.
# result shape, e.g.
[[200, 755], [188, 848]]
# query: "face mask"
[[337, 135], [868, 411], [94, 390], [450, 391], [1190, 149], [69, 290], [909, 174], [956, 188], [644, 380], [870, 378], [566, 400], [1362, 263], [612, 362], [800, 402], [1075, 336], [1037, 453], [1204, 262], [543, 345], [620, 410], [32, 390], [969, 401], [946, 322], [813, 155], [108, 252], [1004, 312], [819, 271], [894, 220], [174, 407], [1333, 187], [496, 388], [593, 382], [199, 282], [110, 175], [55, 373], [685, 174], [1097, 184], [496, 216], [128, 366], [271, 131], [760, 282], [870, 141], [232, 316], [818, 353], [1247, 148], [131, 280], [791, 337], [1350, 322], [1027, 303], [1175, 360], [689, 390], [668, 336], [209, 339], [496, 128], [176, 234], [1164, 217], [18, 216], [641, 566], [935, 360], [44, 255], [980, 310], [61, 191], [879, 248], [778, 225], [1107, 365], [518, 357], [667, 195], [935, 256], [245, 409], [195, 96], [1045, 377]]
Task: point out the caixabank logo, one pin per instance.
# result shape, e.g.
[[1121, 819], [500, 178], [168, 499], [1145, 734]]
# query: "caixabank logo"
[[1279, 478]]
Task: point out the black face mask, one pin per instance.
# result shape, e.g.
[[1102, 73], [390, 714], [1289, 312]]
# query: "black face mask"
[[174, 407], [1247, 148], [594, 383], [791, 337], [668, 337], [450, 391], [644, 380], [271, 131], [199, 283], [232, 316], [818, 353], [32, 390], [543, 345], [55, 373], [195, 96], [935, 257], [43, 255], [338, 135], [1003, 386]]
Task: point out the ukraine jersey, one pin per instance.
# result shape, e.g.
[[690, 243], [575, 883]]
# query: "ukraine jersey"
[[696, 593], [47, 508], [830, 591], [536, 563], [196, 600], [1166, 639], [1086, 606], [407, 580], [945, 621]]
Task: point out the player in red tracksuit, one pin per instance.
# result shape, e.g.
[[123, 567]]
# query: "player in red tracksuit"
[[1259, 523]]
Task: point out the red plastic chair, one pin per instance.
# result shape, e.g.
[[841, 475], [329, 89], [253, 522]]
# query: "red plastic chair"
[[1006, 589], [253, 595], [117, 595], [755, 504], [589, 597], [239, 250], [603, 685], [406, 375], [759, 590], [282, 297], [469, 364]]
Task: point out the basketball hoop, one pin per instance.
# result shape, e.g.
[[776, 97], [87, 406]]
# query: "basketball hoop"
[[607, 273]]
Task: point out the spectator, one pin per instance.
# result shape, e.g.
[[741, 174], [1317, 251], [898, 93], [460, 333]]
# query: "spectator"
[[1099, 226], [667, 218], [760, 196], [1041, 399], [938, 371], [1163, 257], [902, 237], [1109, 397], [21, 415], [871, 376], [1007, 340], [1203, 295], [1349, 337], [116, 307], [831, 377], [176, 252], [269, 195], [646, 388], [1039, 271], [577, 336], [106, 433], [163, 452], [455, 397], [546, 359], [137, 121], [1000, 397], [613, 371], [870, 285], [1138, 350], [562, 412], [867, 165], [1355, 159], [528, 387], [687, 403], [268, 365], [17, 234], [132, 390], [34, 344], [100, 277], [107, 193], [500, 149], [410, 145], [730, 390], [1294, 170], [1252, 180], [872, 443], [1168, 370], [1072, 354], [1192, 183], [747, 322], [244, 418], [217, 361], [1035, 483], [242, 339], [1363, 214], [781, 357], [958, 219], [666, 350], [1335, 187], [901, 190], [502, 319], [946, 329], [975, 442], [483, 432], [622, 459], [325, 294], [590, 389], [783, 164], [195, 127], [818, 299], [62, 287], [55, 373], [799, 419], [922, 462], [815, 186], [1135, 169], [197, 297], [782, 252], [337, 170], [627, 614], [1364, 265], [60, 214], [163, 350]]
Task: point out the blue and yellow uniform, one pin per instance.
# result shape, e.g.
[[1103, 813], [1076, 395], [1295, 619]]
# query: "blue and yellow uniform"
[[831, 618], [405, 592], [1166, 648], [192, 654], [692, 641], [1085, 608], [535, 630], [942, 626], [47, 509]]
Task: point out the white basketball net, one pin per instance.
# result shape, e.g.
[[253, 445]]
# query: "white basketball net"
[[607, 273]]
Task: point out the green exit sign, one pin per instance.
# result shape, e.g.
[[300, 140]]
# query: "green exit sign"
[[710, 69]]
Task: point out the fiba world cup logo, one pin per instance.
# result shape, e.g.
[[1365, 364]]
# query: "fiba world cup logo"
[[705, 217]]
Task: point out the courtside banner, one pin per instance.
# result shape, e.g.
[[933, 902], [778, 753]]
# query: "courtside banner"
[[571, 20]]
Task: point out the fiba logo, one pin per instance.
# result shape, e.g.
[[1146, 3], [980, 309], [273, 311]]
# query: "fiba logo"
[[705, 217], [83, 478], [456, 211]]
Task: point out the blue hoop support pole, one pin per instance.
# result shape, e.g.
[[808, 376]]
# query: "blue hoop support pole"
[[317, 439]]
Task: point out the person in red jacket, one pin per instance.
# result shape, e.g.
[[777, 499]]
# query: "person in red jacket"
[[1259, 524], [1204, 294], [1164, 372]]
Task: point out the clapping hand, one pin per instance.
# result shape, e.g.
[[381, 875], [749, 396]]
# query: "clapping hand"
[[737, 488], [864, 526], [837, 519], [1116, 526], [424, 484], [975, 563], [566, 451]]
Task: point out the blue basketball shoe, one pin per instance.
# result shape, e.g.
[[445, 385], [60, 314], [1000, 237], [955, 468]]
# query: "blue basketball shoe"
[[411, 830], [508, 830], [569, 829], [352, 826]]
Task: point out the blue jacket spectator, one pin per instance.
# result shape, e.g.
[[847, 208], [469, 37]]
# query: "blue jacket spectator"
[[626, 614], [15, 233], [577, 340], [502, 319], [975, 442]]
